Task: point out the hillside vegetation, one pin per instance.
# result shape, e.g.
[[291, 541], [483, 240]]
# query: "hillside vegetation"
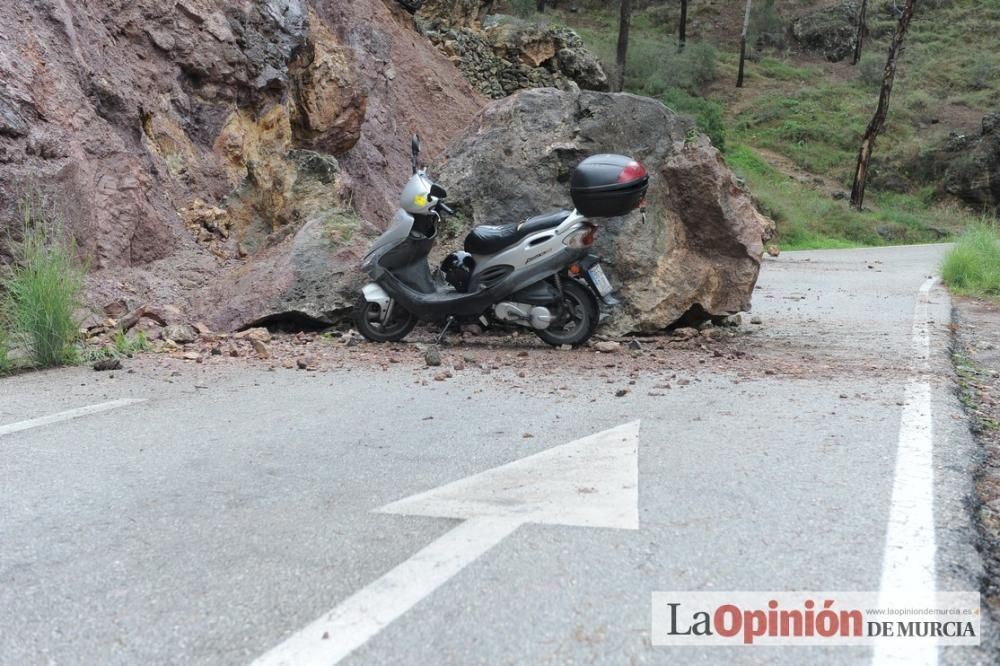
[[794, 130]]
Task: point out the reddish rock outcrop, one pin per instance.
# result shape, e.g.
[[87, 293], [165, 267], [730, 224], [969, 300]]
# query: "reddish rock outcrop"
[[184, 143]]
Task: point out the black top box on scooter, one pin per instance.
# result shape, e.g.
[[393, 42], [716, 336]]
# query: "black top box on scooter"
[[608, 185]]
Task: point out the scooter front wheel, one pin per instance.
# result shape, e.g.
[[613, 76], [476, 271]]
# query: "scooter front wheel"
[[368, 319], [577, 320]]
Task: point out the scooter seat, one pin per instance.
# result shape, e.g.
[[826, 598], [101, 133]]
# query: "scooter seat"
[[487, 239]]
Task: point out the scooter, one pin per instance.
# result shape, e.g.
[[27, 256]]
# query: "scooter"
[[537, 273]]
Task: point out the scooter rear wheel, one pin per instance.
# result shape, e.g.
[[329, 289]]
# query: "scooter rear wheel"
[[367, 317], [578, 319]]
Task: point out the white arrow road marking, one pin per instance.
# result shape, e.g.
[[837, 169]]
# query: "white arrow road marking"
[[590, 482], [908, 568], [65, 416]]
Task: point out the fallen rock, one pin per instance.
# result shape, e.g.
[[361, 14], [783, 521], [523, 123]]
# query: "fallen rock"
[[260, 349], [182, 334], [432, 357], [607, 346], [106, 364], [258, 333], [116, 309], [716, 235]]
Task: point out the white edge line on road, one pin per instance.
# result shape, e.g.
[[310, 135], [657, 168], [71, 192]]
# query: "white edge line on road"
[[67, 415], [908, 566]]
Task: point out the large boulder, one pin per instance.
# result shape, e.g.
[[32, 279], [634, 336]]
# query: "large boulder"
[[699, 247], [310, 275], [831, 31], [971, 165]]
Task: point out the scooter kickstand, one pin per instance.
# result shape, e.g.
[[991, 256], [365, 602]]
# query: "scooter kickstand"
[[447, 325]]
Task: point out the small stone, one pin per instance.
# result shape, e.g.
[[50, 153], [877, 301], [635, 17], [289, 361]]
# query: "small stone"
[[441, 376], [201, 329], [621, 393], [565, 347], [607, 346], [106, 364], [733, 320], [756, 320], [685, 332], [634, 345], [260, 334], [432, 357], [116, 309], [234, 353], [191, 356], [773, 250], [182, 334], [260, 349], [288, 364], [216, 351]]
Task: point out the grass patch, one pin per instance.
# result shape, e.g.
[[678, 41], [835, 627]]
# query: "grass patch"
[[814, 114], [122, 346], [42, 290], [5, 363], [808, 218], [972, 268]]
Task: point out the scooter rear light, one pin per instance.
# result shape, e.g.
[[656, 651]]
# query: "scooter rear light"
[[633, 171], [582, 238]]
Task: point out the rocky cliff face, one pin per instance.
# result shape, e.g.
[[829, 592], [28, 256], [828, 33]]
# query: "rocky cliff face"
[[972, 170], [500, 55], [186, 145]]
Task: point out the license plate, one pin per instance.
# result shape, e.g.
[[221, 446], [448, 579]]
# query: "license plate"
[[600, 280]]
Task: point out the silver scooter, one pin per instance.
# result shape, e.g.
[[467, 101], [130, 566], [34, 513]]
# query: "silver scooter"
[[537, 273]]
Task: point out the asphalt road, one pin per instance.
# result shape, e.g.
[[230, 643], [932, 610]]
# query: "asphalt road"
[[207, 526]]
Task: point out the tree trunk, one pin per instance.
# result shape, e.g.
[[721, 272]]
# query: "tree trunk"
[[878, 120], [861, 32], [682, 26], [743, 45], [622, 56], [541, 6]]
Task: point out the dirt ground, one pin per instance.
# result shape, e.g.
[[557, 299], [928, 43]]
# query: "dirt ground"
[[976, 354]]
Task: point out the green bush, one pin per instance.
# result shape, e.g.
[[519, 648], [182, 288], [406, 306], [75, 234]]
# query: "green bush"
[[871, 69], [42, 291], [654, 67], [707, 114], [973, 266]]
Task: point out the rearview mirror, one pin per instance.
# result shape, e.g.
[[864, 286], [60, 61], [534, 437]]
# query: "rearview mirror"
[[415, 150]]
